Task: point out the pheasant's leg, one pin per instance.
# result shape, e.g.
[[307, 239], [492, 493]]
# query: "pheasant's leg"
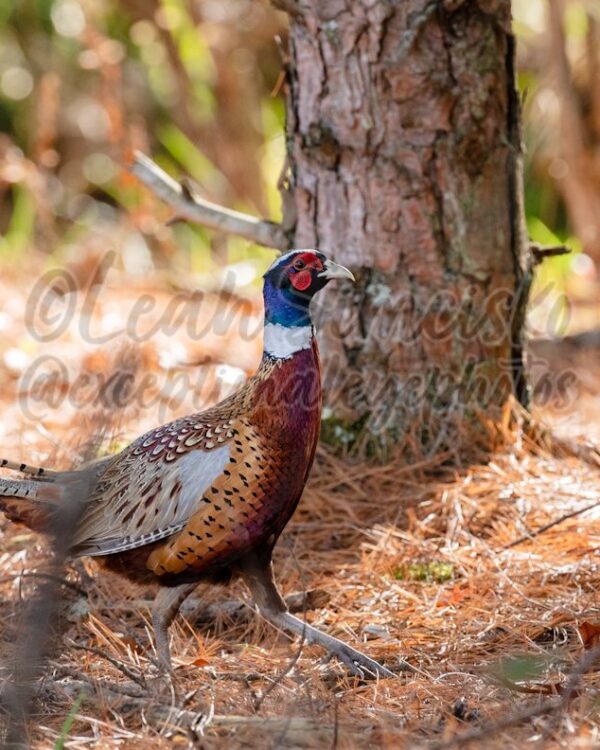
[[165, 607], [259, 580]]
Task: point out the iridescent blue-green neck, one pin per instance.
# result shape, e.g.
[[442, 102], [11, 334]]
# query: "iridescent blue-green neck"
[[285, 306]]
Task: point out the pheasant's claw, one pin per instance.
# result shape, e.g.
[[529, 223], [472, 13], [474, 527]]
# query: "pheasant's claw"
[[359, 664]]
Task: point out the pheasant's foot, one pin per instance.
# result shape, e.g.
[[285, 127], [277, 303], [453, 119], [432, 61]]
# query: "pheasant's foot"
[[259, 579], [165, 607], [357, 663]]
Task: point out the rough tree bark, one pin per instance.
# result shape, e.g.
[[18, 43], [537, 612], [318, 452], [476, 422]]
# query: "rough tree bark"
[[404, 164]]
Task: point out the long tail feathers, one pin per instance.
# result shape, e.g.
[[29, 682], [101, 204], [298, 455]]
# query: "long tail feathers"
[[35, 498], [28, 501], [34, 471], [24, 488]]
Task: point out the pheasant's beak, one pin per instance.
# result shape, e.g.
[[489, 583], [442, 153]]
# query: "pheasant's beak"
[[335, 271]]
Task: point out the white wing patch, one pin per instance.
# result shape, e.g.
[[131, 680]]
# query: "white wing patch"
[[197, 471], [178, 488]]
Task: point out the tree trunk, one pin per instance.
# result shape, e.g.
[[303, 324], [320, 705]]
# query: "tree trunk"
[[404, 164]]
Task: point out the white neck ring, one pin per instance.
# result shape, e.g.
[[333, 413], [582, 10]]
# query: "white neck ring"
[[282, 342]]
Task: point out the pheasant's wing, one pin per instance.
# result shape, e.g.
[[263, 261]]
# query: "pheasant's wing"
[[151, 489], [241, 506]]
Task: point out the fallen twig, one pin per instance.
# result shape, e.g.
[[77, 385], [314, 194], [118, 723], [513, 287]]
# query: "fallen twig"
[[180, 718], [570, 690], [556, 707], [117, 664], [486, 731], [551, 525], [80, 681]]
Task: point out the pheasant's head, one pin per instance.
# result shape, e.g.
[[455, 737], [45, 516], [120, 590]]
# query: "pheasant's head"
[[292, 281]]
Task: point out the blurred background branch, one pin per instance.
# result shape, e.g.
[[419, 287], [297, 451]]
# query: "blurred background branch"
[[189, 206]]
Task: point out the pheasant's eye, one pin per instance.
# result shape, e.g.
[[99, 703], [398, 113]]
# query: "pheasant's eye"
[[299, 264]]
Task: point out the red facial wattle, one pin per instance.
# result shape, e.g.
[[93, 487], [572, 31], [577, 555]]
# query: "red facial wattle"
[[301, 271], [301, 280]]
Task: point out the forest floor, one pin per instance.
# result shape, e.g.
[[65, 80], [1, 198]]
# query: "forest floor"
[[438, 565]]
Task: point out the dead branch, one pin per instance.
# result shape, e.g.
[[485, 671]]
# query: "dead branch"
[[176, 717], [79, 681], [571, 689], [541, 252], [190, 206], [550, 525], [461, 739], [116, 663]]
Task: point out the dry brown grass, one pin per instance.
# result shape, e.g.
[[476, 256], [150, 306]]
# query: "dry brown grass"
[[417, 565]]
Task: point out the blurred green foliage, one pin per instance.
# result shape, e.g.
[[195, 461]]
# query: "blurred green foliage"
[[85, 82], [559, 77], [431, 571], [515, 670]]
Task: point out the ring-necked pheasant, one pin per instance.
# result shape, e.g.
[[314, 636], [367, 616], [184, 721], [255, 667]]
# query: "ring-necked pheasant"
[[206, 497]]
